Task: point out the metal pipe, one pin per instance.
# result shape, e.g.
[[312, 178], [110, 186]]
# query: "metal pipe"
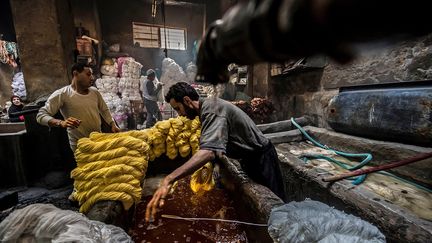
[[378, 168]]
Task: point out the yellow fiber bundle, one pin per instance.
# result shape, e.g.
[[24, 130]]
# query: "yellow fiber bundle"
[[163, 126], [180, 142], [111, 171], [171, 149], [114, 187], [176, 127], [202, 179], [110, 166], [136, 162], [177, 122], [126, 199], [87, 185], [156, 137], [186, 123], [151, 155], [88, 146], [159, 149], [142, 135], [104, 155], [185, 135], [184, 150], [98, 136], [130, 153], [195, 124], [194, 143]]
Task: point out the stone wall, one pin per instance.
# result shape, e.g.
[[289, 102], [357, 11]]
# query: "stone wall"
[[86, 14], [309, 92], [44, 31], [406, 61], [6, 75]]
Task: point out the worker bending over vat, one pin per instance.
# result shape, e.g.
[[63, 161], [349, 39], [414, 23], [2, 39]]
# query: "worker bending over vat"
[[225, 130]]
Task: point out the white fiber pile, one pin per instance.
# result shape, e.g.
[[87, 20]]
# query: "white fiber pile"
[[129, 88], [131, 69], [172, 73], [108, 87], [46, 223], [191, 72], [18, 85], [312, 221]]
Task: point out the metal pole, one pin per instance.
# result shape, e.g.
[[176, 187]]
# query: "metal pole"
[[378, 168]]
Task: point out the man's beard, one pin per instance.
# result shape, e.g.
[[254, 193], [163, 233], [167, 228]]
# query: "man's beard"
[[190, 113]]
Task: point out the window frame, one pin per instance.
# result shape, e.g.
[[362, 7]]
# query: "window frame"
[[159, 36]]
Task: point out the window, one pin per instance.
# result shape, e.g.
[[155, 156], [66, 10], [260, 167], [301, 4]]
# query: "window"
[[145, 35], [175, 38], [153, 36]]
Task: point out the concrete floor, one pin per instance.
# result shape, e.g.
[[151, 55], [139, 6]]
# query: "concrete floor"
[[54, 188]]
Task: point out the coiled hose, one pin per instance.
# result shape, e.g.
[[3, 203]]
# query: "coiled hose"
[[368, 157]]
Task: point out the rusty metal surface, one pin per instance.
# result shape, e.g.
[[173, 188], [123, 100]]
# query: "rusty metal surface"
[[401, 114]]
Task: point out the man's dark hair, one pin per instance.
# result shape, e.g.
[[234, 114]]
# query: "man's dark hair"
[[79, 67], [179, 90]]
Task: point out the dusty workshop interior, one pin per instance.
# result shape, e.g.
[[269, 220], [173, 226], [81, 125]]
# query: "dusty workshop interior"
[[215, 121]]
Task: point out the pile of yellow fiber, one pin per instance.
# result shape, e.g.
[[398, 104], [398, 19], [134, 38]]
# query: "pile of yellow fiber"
[[111, 166]]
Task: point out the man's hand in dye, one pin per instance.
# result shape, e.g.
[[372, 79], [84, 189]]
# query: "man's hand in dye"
[[158, 200]]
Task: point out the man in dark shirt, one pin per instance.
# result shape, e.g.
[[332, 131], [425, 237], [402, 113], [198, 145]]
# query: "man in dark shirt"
[[225, 129], [149, 92]]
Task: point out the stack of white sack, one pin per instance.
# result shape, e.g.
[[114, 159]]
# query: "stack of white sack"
[[131, 69], [129, 88], [18, 85], [191, 72], [172, 73], [108, 87], [121, 113]]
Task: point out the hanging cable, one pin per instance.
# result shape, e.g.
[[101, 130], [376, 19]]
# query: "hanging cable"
[[154, 4], [154, 7], [164, 23]]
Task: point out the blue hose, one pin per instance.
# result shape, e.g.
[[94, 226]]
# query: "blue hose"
[[367, 157]]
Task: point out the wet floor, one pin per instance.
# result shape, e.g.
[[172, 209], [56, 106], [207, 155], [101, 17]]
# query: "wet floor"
[[394, 191], [54, 189], [184, 203]]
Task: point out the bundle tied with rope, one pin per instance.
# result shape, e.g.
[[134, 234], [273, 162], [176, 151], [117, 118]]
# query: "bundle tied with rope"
[[111, 166]]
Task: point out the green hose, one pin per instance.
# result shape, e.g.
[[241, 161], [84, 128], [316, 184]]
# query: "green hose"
[[344, 165], [367, 157]]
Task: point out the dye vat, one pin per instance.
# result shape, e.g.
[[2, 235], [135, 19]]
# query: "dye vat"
[[241, 199], [215, 204], [401, 211]]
